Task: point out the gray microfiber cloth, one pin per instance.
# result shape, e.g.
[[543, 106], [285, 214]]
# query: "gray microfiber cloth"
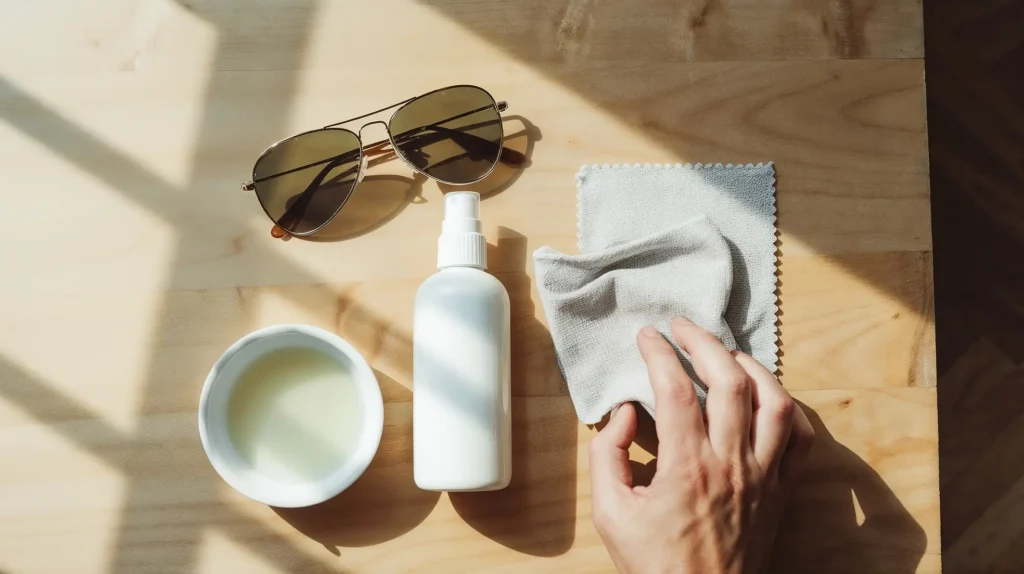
[[657, 242]]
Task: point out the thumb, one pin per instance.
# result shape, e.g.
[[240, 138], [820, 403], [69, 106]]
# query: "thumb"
[[609, 454]]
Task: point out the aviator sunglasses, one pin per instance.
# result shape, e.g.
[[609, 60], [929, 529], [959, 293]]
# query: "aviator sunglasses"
[[453, 135]]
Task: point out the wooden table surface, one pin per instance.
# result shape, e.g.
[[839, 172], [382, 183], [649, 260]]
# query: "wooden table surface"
[[131, 261]]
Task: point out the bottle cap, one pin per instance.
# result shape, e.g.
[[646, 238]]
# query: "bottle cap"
[[461, 242]]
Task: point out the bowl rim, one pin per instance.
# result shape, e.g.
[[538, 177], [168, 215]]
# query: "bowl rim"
[[331, 486]]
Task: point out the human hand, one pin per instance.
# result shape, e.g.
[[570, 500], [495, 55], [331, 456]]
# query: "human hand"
[[721, 478]]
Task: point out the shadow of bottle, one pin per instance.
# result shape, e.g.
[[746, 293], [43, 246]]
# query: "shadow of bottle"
[[385, 502], [536, 513]]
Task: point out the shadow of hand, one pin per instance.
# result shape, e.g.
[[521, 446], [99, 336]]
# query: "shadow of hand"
[[840, 516]]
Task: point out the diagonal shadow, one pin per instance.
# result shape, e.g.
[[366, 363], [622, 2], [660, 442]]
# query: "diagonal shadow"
[[89, 432], [683, 75], [134, 454], [218, 112], [122, 173], [143, 455], [173, 512], [180, 495], [79, 147]]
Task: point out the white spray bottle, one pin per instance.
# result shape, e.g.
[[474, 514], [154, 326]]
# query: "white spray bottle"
[[461, 363]]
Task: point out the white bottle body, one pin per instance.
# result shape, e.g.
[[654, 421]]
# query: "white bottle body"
[[461, 382]]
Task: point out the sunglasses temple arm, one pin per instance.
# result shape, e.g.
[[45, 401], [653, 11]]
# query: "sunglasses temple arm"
[[306, 196], [507, 156], [468, 141], [298, 208], [512, 157]]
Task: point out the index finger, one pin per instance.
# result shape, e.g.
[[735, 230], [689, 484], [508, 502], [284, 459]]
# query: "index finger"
[[678, 420]]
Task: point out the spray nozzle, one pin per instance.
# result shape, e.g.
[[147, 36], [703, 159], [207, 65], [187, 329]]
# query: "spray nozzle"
[[461, 241], [461, 212]]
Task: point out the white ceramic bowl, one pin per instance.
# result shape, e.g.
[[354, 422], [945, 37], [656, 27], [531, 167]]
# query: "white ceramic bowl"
[[213, 405]]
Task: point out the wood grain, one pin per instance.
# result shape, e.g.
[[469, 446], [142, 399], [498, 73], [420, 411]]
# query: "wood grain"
[[120, 35], [616, 30], [124, 135], [869, 499], [847, 184], [870, 485], [836, 310]]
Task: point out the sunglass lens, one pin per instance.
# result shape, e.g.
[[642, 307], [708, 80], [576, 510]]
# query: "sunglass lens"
[[302, 182], [453, 135]]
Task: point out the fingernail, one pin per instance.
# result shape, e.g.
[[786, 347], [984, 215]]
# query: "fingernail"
[[649, 331], [683, 321]]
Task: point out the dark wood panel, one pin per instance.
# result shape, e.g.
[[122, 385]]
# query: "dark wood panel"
[[974, 61]]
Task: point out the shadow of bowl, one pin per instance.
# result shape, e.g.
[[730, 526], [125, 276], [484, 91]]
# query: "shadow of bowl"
[[385, 502]]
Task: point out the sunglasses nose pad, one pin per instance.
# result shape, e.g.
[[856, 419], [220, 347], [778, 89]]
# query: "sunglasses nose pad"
[[362, 168], [414, 155]]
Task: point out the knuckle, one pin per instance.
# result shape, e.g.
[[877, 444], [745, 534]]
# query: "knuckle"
[[744, 487], [810, 436], [784, 410], [736, 384], [680, 392], [802, 434], [805, 438], [697, 475], [741, 478]]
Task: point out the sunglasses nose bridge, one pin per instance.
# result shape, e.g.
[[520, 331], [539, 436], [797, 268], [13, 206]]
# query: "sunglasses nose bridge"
[[366, 125]]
